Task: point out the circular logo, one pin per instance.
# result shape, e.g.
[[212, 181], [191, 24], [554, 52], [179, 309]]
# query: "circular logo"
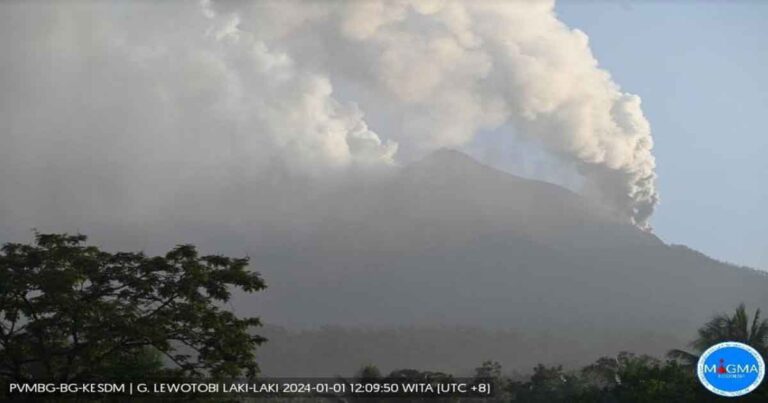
[[731, 369]]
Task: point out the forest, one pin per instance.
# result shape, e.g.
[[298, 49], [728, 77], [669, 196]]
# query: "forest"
[[70, 312]]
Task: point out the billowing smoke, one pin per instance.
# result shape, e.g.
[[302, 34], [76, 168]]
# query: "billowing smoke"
[[133, 103]]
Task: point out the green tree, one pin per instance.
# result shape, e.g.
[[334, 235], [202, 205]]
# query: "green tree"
[[547, 384], [135, 364], [72, 312], [368, 373], [416, 375], [737, 327], [632, 378], [488, 370], [492, 371]]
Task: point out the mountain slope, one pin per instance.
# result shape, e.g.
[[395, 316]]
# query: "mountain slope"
[[448, 241]]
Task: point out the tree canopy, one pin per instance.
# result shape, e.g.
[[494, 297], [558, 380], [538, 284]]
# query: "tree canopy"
[[737, 327], [73, 312]]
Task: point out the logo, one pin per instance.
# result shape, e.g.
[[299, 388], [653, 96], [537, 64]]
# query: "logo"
[[731, 369]]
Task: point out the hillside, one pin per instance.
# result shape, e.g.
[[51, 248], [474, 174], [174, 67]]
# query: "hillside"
[[448, 242]]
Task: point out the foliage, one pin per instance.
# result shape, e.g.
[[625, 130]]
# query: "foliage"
[[720, 328], [626, 377], [737, 327], [133, 365], [369, 373], [72, 312], [629, 377], [492, 371], [546, 384]]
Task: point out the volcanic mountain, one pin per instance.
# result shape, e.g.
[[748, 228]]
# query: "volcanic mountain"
[[449, 262]]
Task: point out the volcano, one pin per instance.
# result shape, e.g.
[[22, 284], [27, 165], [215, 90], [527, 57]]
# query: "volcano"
[[450, 262]]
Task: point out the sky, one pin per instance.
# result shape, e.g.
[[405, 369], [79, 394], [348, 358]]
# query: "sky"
[[112, 117], [109, 113], [699, 68]]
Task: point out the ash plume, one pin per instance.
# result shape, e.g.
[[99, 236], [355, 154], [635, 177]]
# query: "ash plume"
[[124, 106]]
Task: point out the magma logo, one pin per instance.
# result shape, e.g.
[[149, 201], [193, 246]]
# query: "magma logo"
[[731, 369]]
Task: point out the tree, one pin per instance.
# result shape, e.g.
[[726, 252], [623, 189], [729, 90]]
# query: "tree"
[[72, 312], [135, 365], [492, 371], [722, 328], [629, 377], [547, 384], [416, 375], [488, 370], [368, 373]]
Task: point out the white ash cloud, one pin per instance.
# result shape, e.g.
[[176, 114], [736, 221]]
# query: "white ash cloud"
[[126, 105]]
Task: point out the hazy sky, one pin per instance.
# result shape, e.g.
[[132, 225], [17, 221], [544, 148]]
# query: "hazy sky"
[[701, 72], [110, 115]]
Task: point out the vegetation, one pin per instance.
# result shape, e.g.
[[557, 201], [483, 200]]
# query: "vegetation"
[[72, 312], [736, 327], [626, 377]]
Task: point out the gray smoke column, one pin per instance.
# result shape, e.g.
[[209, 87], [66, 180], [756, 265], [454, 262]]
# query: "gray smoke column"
[[136, 102], [444, 70]]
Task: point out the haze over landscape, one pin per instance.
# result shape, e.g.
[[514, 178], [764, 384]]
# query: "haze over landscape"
[[331, 143], [470, 262]]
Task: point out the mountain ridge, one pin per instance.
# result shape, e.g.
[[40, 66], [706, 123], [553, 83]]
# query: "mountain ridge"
[[451, 242]]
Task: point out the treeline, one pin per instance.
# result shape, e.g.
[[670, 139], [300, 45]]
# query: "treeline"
[[70, 312], [624, 378]]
